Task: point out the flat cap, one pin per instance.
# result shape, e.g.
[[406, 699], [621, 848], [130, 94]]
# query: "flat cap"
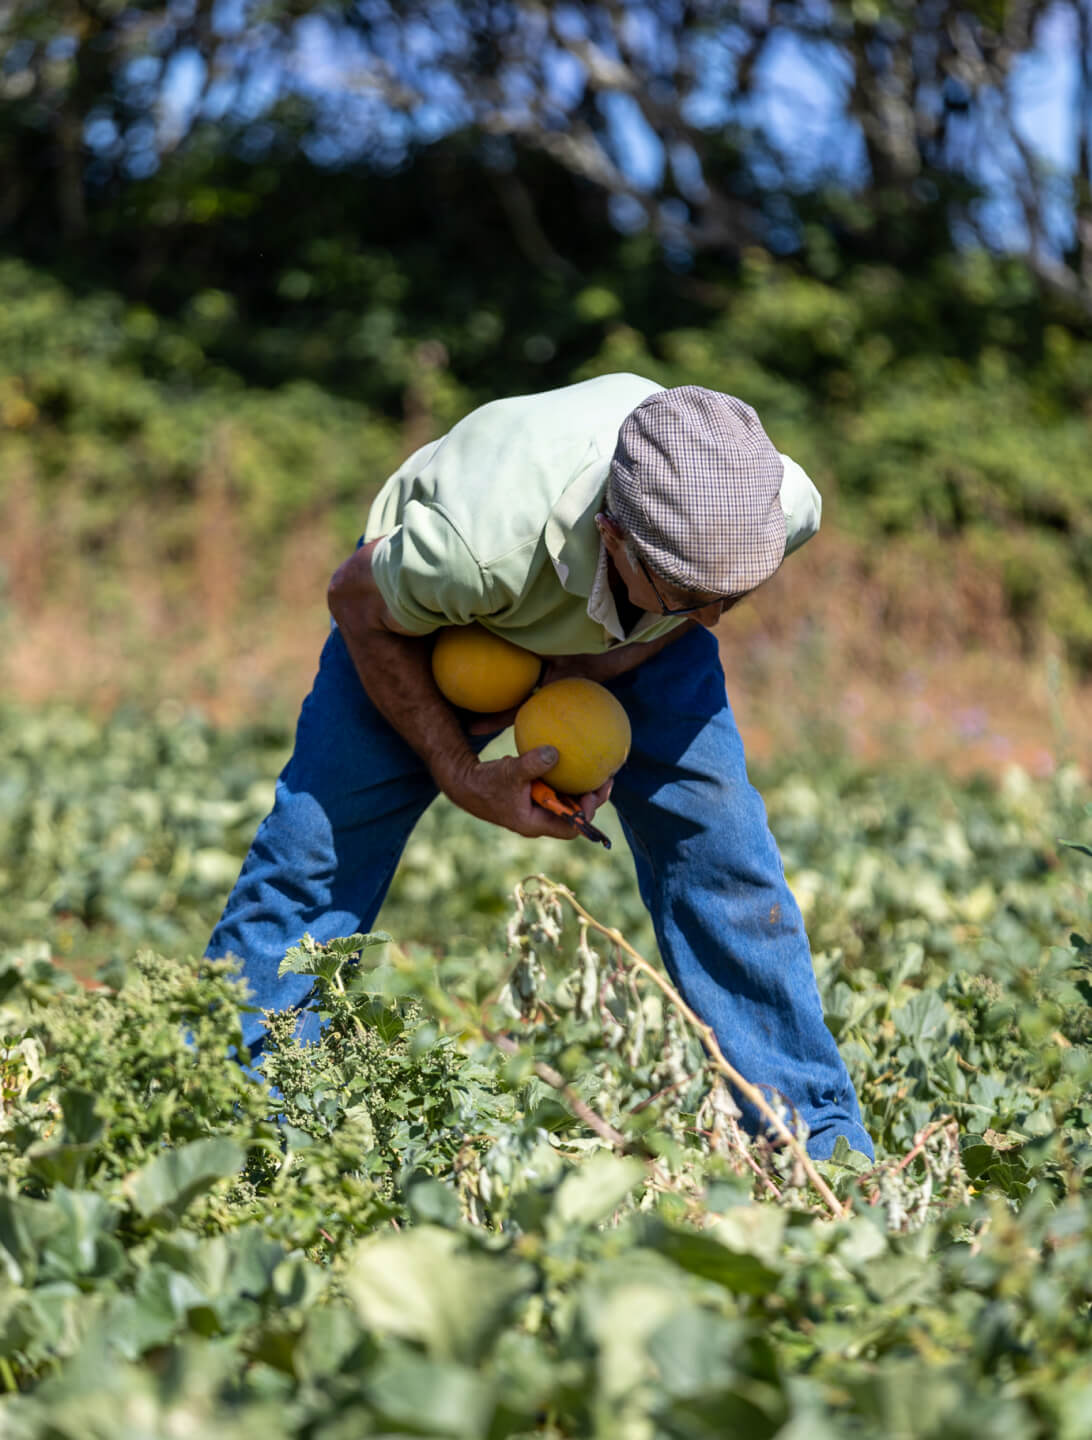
[[695, 480]]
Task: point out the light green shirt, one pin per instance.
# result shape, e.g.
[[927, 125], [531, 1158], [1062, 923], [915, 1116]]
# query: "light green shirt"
[[495, 522]]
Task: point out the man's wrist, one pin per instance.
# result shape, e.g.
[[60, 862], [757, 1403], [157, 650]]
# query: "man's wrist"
[[454, 774]]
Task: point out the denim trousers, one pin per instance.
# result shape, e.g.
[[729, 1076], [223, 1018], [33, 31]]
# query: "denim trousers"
[[729, 930]]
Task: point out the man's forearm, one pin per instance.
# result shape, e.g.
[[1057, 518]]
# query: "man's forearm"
[[396, 671]]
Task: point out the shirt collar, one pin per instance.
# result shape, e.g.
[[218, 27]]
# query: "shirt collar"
[[578, 554], [604, 611]]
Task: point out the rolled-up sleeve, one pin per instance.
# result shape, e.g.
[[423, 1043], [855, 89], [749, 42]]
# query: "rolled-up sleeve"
[[801, 503], [428, 575]]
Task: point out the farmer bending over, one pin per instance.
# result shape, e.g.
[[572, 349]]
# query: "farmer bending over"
[[605, 526]]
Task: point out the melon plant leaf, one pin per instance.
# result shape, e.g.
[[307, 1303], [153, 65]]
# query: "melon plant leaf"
[[431, 1201], [596, 1189], [423, 1285], [171, 1181], [64, 1162], [242, 1262], [415, 1396], [27, 1228], [741, 1272], [83, 1245], [619, 1312], [58, 1164], [153, 1313], [329, 1336], [693, 1351], [81, 1123], [921, 1020]]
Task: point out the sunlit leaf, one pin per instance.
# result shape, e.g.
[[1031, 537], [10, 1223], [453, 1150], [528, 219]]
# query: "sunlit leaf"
[[172, 1180]]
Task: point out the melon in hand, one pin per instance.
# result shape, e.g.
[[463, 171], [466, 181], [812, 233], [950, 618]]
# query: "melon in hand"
[[585, 723]]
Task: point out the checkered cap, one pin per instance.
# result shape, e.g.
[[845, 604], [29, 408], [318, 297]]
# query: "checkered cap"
[[695, 480]]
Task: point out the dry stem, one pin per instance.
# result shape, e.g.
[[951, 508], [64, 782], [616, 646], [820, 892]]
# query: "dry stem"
[[553, 1077], [712, 1046]]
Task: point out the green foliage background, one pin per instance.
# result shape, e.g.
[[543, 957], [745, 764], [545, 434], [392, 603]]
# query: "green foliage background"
[[944, 404], [253, 316], [420, 1237]]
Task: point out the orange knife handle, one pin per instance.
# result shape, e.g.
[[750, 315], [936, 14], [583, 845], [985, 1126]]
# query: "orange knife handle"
[[544, 795], [565, 806]]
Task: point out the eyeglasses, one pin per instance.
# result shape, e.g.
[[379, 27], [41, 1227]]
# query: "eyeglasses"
[[679, 609]]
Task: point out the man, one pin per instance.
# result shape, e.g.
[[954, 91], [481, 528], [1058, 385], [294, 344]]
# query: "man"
[[606, 526]]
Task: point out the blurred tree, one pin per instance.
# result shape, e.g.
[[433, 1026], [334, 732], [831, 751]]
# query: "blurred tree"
[[658, 105], [81, 84], [423, 205]]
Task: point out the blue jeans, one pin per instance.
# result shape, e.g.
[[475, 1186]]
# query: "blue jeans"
[[730, 933]]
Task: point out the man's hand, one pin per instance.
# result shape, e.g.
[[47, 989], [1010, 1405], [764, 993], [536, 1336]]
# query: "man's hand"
[[395, 670], [500, 791]]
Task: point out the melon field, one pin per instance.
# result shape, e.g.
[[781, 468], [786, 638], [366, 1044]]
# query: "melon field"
[[507, 1194]]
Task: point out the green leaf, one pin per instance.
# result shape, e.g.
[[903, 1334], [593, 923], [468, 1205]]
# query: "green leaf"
[[242, 1262], [431, 1201], [331, 1334], [64, 1163], [424, 1285], [81, 1124], [153, 1313], [693, 1351], [844, 1155], [298, 1282], [171, 1181], [621, 1316], [26, 1226], [922, 1019], [699, 1253], [57, 1165], [85, 1247], [429, 1397], [595, 1189], [1077, 845], [310, 957]]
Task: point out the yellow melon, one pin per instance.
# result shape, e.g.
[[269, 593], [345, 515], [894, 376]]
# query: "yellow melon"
[[586, 724], [477, 670]]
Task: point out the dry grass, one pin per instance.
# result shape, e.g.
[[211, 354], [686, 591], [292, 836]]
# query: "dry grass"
[[904, 654], [890, 655]]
